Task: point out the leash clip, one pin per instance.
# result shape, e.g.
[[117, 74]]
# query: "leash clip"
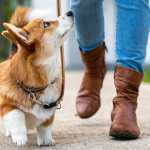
[[58, 106], [31, 96]]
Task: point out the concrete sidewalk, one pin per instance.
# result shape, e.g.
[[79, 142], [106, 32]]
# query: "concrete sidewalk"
[[72, 133]]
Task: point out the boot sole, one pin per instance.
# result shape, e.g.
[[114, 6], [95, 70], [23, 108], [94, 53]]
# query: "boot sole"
[[123, 135]]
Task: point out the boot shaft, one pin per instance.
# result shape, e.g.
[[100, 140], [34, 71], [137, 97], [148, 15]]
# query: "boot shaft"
[[127, 82], [94, 61]]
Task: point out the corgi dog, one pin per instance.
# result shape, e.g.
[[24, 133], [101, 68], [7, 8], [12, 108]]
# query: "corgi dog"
[[30, 81]]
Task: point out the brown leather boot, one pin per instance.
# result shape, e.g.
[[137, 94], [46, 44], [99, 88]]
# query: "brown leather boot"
[[88, 98], [123, 116]]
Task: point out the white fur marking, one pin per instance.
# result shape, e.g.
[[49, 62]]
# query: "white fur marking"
[[15, 122], [44, 137]]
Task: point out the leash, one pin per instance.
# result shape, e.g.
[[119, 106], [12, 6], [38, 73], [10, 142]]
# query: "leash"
[[58, 6]]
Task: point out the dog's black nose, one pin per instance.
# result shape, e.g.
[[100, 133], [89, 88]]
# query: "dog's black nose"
[[70, 13]]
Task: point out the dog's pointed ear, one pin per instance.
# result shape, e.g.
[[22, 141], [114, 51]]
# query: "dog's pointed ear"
[[8, 36], [20, 36]]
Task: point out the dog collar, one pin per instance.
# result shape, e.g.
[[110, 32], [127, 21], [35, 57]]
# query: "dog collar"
[[33, 99], [33, 91]]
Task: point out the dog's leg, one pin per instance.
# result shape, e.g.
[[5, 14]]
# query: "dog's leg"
[[44, 137], [8, 132], [15, 122]]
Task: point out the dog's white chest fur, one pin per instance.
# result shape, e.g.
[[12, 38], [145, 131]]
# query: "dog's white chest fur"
[[38, 114]]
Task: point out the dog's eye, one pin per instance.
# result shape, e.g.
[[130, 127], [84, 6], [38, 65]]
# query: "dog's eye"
[[46, 24]]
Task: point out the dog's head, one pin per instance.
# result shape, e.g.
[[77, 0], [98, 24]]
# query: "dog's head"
[[42, 37]]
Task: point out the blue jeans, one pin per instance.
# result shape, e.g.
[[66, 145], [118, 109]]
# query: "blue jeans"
[[132, 29]]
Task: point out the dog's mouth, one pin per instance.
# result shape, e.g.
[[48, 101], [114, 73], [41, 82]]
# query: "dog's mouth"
[[63, 34], [67, 32]]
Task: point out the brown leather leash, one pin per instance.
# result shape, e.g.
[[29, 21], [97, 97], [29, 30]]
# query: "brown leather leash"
[[58, 8]]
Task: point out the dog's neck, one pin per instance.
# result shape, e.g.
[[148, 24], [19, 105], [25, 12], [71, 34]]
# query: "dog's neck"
[[50, 66], [34, 73]]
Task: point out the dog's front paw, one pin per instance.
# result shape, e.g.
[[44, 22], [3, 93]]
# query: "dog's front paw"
[[20, 140], [44, 137], [45, 142]]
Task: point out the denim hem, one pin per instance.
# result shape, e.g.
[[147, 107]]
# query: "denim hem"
[[88, 49]]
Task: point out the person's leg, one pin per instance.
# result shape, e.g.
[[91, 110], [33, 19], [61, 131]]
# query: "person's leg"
[[133, 18], [132, 36], [89, 24]]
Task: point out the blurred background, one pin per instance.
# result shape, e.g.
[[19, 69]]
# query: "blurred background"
[[72, 56]]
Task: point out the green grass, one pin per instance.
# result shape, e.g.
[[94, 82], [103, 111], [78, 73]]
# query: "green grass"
[[1, 59], [147, 75]]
